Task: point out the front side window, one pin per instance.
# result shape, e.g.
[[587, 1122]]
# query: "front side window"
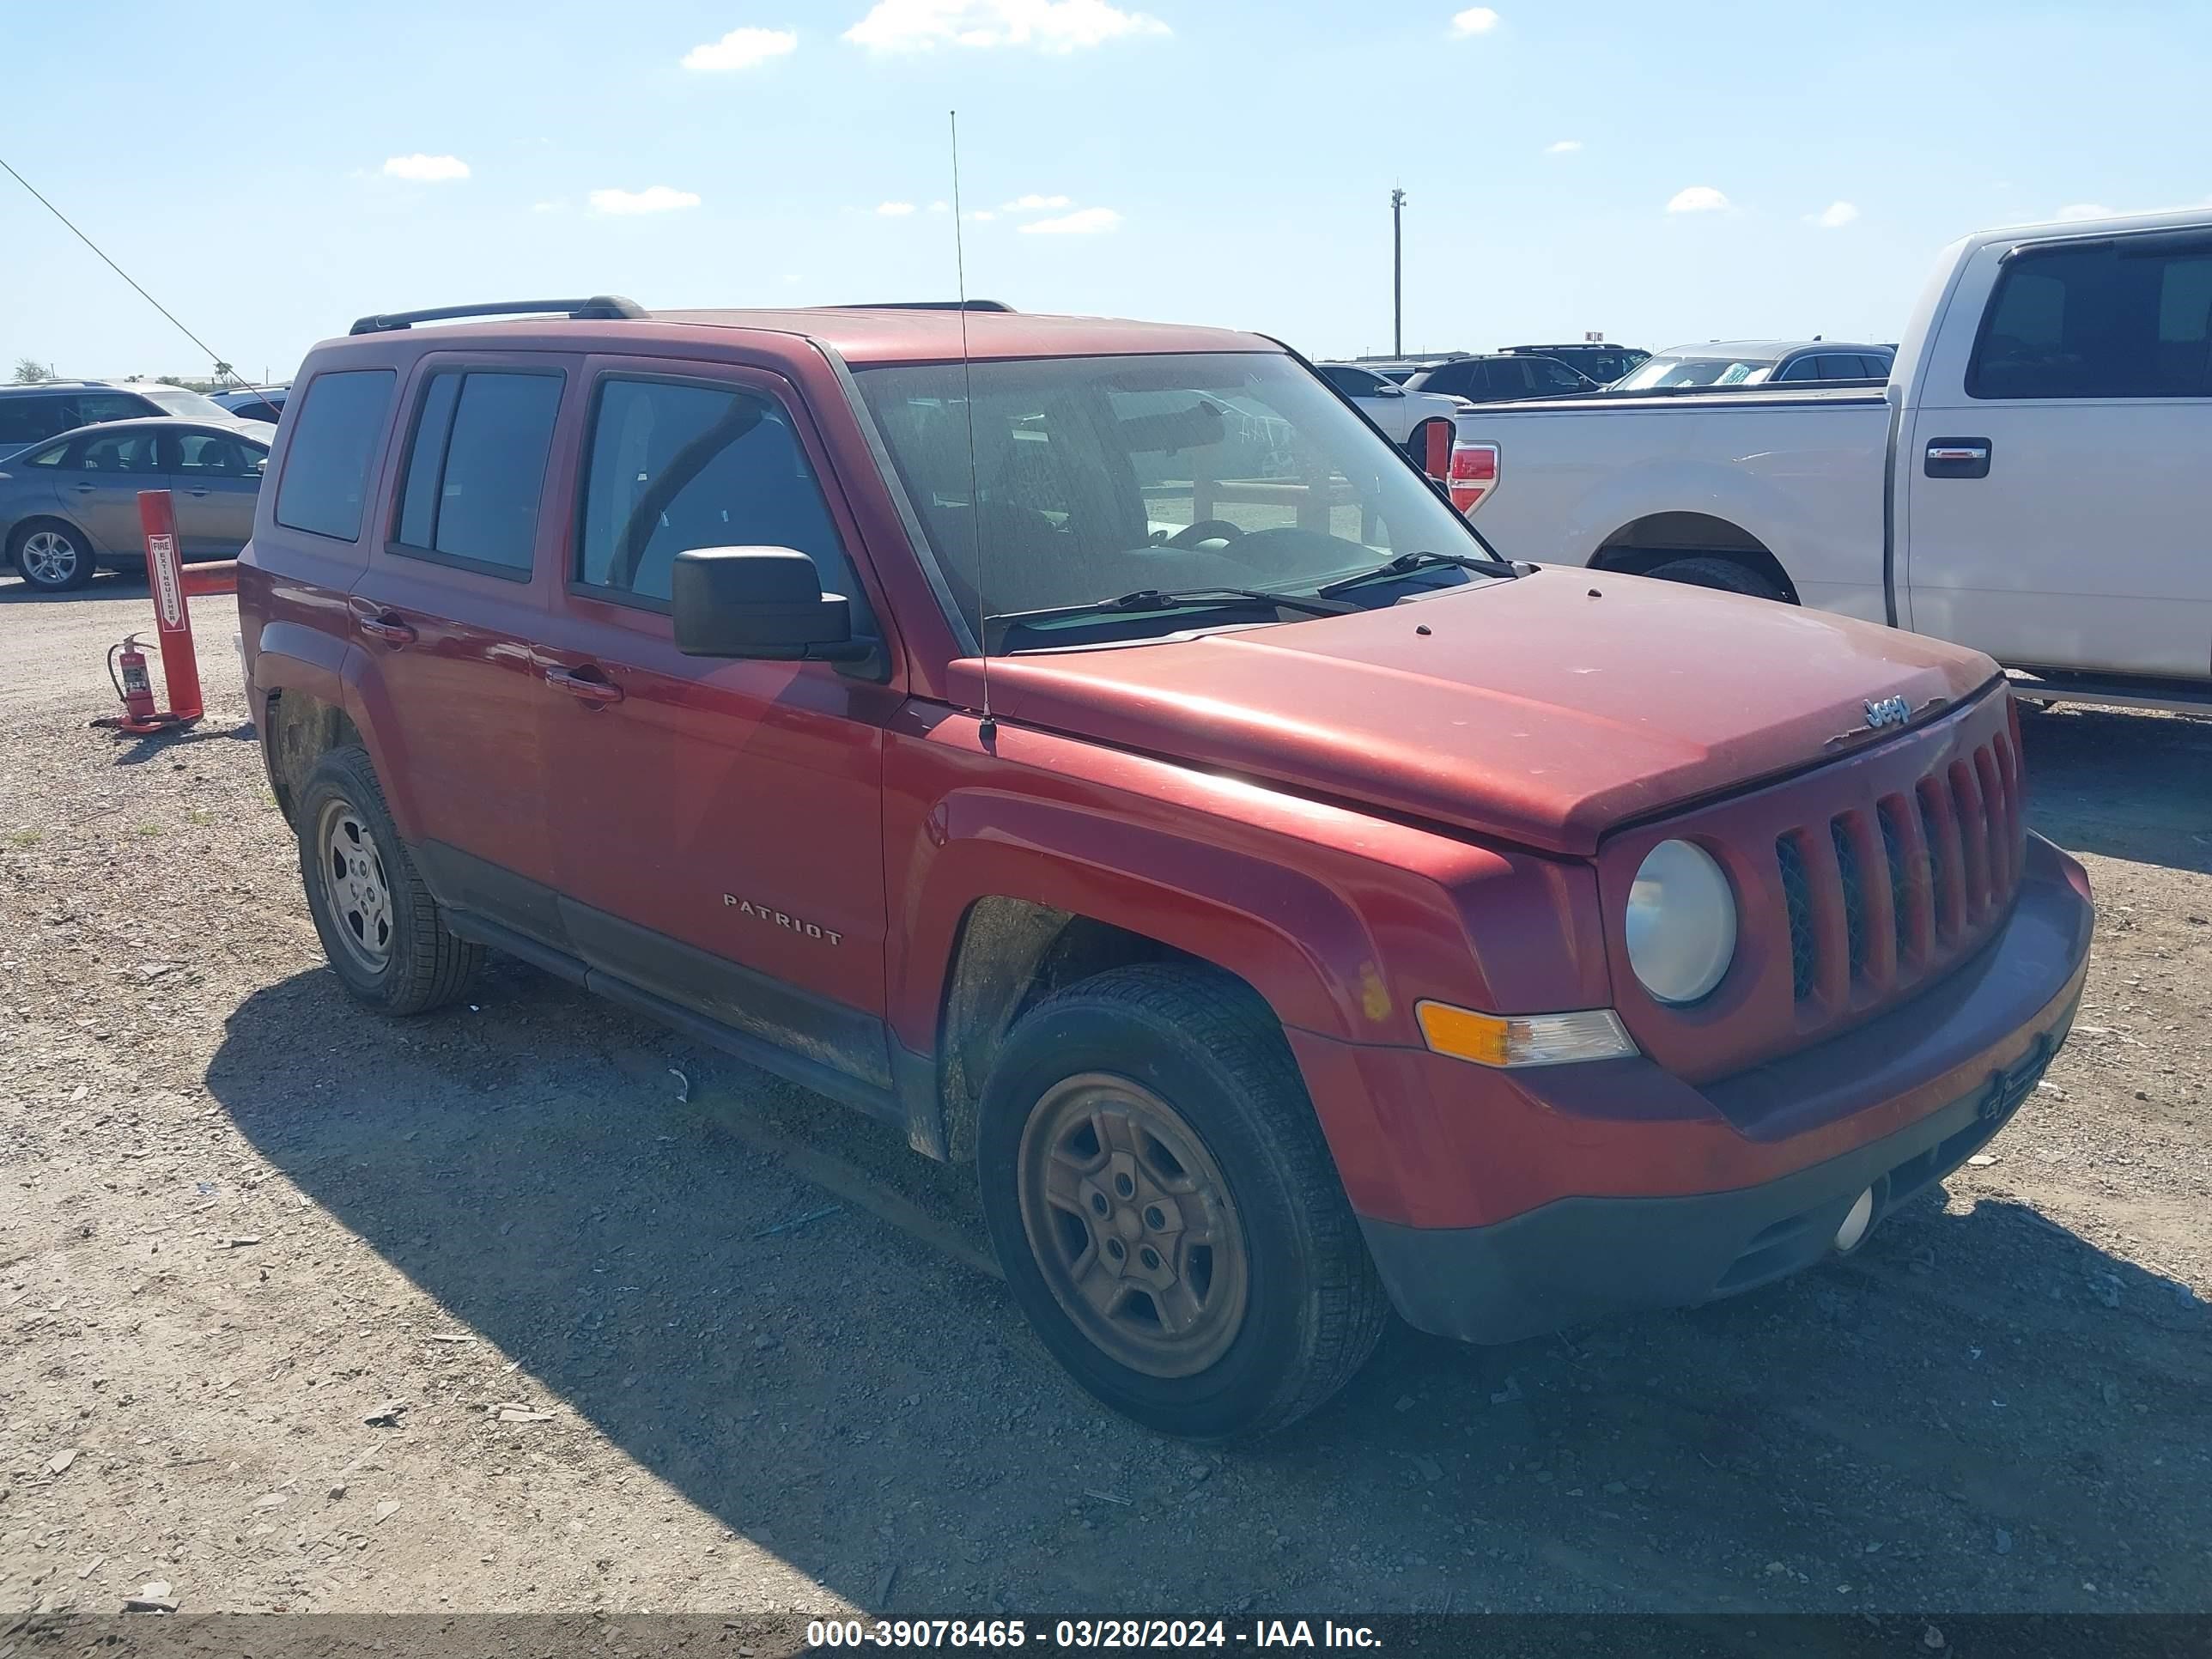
[[214, 455], [675, 466], [1352, 382], [476, 469], [2129, 317], [324, 481], [1099, 479]]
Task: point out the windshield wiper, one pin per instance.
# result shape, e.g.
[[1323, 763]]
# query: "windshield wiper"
[[1153, 598], [1406, 563]]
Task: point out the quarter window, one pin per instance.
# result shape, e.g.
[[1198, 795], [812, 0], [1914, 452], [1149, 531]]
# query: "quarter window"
[[2129, 316], [674, 467], [324, 479], [476, 469]]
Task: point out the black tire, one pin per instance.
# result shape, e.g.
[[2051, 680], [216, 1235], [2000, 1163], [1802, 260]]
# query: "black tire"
[[1718, 571], [392, 952], [1310, 1306], [73, 550]]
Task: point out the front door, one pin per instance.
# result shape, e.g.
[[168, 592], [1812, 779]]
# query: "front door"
[[98, 482], [719, 840], [448, 610], [213, 478], [2059, 513]]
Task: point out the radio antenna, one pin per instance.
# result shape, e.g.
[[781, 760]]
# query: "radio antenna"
[[989, 728]]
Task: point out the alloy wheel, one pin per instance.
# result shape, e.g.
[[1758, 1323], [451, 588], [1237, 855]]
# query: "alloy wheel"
[[356, 885]]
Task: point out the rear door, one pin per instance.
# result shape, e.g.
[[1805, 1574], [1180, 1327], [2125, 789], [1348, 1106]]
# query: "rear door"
[[448, 610], [2058, 511], [719, 841], [215, 480], [99, 480]]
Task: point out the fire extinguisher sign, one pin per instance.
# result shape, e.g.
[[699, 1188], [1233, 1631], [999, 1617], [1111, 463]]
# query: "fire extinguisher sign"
[[168, 579]]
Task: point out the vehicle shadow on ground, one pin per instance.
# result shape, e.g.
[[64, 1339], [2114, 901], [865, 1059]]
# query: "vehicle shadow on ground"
[[878, 1415], [2136, 787], [102, 589]]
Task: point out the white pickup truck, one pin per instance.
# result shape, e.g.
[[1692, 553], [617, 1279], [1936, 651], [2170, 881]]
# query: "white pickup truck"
[[2035, 480]]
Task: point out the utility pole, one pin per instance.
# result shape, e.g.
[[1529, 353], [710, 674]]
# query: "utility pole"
[[1397, 276]]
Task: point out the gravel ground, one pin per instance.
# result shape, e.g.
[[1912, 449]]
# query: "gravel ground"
[[529, 1305]]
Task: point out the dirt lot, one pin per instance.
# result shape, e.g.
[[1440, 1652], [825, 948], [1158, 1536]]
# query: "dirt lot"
[[740, 1352]]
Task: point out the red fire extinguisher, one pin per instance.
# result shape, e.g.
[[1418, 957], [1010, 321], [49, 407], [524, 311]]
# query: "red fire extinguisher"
[[127, 668]]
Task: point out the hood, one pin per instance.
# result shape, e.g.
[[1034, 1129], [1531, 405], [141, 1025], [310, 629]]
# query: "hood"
[[1542, 711]]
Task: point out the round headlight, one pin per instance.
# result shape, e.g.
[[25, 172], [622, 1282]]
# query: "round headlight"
[[1681, 922]]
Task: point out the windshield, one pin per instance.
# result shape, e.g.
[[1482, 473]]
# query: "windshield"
[[175, 400], [1096, 478], [1667, 369]]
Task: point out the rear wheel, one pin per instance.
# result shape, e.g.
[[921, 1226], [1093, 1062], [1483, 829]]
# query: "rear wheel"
[[1706, 571], [51, 556], [380, 927], [1161, 1198]]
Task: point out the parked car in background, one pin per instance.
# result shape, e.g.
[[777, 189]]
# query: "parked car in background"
[[1725, 363], [2031, 481], [1499, 379], [253, 403], [1401, 414], [1603, 363], [71, 503], [1301, 911], [29, 413]]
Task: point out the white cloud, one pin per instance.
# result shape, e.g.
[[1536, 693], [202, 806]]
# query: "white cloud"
[[546, 207], [894, 209], [2083, 210], [940, 207], [427, 169], [1698, 198], [1475, 19], [657, 198], [1054, 26], [1036, 203], [1083, 222], [982, 216], [741, 49], [1565, 147], [1834, 216]]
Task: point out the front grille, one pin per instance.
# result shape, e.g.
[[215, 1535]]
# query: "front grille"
[[1880, 894]]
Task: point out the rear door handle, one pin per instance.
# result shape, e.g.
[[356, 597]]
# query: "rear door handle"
[[1957, 457], [585, 685], [386, 626], [85, 489]]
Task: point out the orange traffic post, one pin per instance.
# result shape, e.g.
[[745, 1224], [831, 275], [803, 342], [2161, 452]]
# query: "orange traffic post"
[[165, 572]]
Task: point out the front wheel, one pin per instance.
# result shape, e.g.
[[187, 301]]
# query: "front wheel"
[[1161, 1198], [1725, 575]]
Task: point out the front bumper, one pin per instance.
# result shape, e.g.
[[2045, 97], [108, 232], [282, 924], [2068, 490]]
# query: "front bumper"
[[1651, 1194]]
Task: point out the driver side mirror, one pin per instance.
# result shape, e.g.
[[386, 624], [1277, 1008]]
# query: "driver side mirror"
[[764, 602], [1388, 389]]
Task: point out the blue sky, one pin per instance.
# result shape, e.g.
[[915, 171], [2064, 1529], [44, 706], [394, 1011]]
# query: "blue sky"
[[272, 171]]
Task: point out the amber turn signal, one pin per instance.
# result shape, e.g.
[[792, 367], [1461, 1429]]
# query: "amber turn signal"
[[1524, 1039]]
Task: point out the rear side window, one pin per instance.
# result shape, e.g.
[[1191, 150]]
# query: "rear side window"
[[26, 420], [477, 468], [93, 406], [676, 467], [334, 442], [2128, 318]]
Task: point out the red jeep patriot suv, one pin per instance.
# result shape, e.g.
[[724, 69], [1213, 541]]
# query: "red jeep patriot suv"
[[1093, 748]]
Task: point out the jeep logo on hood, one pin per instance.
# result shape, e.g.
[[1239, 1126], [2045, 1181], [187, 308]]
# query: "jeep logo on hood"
[[1888, 711]]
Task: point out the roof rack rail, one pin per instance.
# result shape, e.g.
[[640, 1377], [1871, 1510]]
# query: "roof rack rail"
[[599, 308], [926, 305]]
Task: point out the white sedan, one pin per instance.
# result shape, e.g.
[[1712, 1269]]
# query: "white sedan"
[[1399, 412]]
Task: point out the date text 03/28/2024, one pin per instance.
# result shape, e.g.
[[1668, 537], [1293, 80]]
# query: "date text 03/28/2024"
[[1087, 1633]]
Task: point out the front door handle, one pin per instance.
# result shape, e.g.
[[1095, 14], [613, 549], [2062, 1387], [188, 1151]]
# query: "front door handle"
[[585, 685], [85, 489], [1957, 457], [387, 628]]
